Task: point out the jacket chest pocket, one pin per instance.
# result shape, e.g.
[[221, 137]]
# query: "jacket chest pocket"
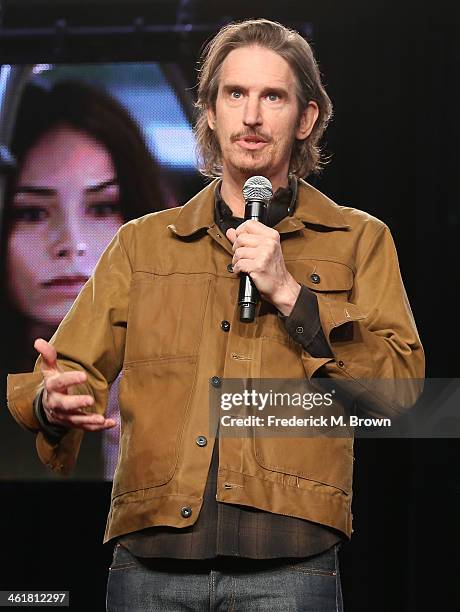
[[166, 314], [323, 276], [327, 279]]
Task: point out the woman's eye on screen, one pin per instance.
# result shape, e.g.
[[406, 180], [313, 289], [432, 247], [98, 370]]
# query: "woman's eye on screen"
[[30, 214], [104, 209]]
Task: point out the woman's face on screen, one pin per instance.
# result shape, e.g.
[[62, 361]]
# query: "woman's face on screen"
[[66, 209]]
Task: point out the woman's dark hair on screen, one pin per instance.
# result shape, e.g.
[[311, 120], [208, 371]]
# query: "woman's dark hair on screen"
[[93, 111]]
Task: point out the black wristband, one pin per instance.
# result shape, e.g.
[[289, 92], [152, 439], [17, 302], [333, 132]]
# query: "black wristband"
[[51, 431]]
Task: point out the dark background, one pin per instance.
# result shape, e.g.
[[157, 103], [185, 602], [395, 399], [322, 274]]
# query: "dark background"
[[391, 70]]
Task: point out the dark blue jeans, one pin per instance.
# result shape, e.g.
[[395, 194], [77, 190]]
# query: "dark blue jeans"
[[230, 585]]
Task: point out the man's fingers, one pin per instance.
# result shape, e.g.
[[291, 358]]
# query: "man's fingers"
[[244, 253], [87, 422], [255, 227], [107, 424], [245, 265], [60, 382], [61, 408], [62, 402], [231, 234], [246, 240], [48, 353]]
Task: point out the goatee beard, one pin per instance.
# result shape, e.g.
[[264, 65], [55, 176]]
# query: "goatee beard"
[[246, 171]]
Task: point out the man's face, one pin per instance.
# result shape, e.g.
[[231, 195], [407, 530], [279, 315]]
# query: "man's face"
[[256, 118]]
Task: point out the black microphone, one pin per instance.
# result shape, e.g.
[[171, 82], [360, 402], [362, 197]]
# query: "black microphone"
[[257, 192]]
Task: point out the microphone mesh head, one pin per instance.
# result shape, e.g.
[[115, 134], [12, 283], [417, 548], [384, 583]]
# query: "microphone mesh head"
[[257, 188]]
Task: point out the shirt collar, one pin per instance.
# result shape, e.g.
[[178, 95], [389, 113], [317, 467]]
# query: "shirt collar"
[[281, 205], [312, 208]]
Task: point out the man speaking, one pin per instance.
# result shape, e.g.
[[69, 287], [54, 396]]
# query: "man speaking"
[[229, 523]]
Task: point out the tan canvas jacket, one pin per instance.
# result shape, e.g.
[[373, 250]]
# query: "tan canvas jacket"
[[153, 309]]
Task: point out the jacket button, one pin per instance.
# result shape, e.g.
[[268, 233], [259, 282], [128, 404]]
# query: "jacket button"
[[186, 511], [299, 330], [340, 364], [201, 441], [315, 278], [216, 382], [225, 325], [230, 268]]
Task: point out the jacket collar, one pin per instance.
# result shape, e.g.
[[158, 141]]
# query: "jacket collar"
[[197, 214], [313, 208]]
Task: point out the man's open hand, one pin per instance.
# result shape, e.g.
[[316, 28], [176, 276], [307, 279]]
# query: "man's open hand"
[[62, 408]]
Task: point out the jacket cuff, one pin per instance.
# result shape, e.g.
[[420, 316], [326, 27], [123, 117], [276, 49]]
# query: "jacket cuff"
[[57, 453], [21, 392], [304, 324]]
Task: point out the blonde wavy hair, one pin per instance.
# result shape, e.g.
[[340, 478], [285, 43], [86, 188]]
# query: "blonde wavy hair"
[[306, 156]]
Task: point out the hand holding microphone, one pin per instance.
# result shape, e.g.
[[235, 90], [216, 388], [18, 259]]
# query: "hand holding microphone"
[[258, 256], [257, 192]]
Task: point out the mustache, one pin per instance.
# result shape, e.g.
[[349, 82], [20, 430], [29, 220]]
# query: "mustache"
[[251, 134]]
